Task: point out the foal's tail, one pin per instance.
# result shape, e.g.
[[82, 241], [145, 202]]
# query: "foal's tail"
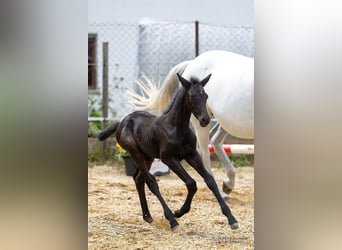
[[104, 134], [152, 97]]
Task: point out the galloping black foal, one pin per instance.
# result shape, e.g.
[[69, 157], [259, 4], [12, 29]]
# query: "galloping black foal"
[[169, 138]]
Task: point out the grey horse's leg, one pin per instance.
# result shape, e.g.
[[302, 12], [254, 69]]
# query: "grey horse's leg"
[[213, 130], [217, 141]]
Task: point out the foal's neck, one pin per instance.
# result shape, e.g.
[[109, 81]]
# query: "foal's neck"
[[178, 112]]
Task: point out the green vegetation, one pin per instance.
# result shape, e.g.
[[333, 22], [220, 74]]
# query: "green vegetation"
[[238, 160], [95, 157], [94, 110]]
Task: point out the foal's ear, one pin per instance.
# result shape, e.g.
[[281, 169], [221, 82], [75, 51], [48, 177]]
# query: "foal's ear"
[[205, 80], [186, 84]]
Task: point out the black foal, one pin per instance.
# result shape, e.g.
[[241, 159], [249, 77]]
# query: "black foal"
[[169, 138]]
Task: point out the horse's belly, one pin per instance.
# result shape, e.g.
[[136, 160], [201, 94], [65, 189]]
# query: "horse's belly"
[[234, 111], [243, 130], [236, 120]]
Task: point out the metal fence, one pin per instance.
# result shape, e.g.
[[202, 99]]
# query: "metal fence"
[[153, 48], [122, 39]]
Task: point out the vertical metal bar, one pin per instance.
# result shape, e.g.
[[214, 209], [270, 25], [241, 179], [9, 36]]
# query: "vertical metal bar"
[[104, 91], [196, 39]]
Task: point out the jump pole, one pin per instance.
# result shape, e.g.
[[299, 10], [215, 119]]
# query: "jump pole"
[[235, 148]]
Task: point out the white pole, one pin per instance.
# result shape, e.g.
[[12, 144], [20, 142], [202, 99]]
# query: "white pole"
[[235, 148]]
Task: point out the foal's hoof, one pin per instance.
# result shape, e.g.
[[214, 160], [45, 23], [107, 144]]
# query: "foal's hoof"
[[174, 225], [148, 219], [234, 226], [175, 229], [225, 188]]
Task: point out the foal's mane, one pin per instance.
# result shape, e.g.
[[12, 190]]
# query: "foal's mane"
[[180, 92]]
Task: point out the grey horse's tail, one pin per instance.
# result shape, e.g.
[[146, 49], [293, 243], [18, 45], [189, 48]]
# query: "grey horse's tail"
[[152, 97]]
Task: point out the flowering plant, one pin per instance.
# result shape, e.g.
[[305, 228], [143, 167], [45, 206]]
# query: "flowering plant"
[[121, 153]]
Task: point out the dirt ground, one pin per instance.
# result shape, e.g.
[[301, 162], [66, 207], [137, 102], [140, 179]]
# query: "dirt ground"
[[115, 220]]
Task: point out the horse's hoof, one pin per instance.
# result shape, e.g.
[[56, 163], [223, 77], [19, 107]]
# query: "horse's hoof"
[[234, 226], [148, 219], [175, 229], [174, 225], [225, 188], [224, 196]]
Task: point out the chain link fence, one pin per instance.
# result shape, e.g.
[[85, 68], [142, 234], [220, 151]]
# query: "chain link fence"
[[122, 39], [153, 48]]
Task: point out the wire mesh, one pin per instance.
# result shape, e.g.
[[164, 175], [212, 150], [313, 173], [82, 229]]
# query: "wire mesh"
[[153, 48]]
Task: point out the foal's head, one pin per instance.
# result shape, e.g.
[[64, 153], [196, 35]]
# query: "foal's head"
[[197, 98]]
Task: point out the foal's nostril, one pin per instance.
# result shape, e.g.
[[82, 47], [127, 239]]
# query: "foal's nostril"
[[204, 120]]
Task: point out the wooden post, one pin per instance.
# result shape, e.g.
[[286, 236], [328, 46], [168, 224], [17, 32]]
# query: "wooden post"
[[104, 92], [196, 39]]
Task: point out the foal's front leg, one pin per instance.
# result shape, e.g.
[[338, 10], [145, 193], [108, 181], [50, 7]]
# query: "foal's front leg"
[[196, 162], [143, 164], [153, 186], [189, 182]]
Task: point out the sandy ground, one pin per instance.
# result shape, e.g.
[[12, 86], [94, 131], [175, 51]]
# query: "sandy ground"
[[115, 220]]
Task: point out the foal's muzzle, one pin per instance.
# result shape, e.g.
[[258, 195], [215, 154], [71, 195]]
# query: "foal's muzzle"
[[204, 120]]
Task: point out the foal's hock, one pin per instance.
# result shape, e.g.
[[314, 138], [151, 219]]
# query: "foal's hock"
[[168, 137]]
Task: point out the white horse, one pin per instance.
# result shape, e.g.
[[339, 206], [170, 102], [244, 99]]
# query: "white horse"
[[230, 100]]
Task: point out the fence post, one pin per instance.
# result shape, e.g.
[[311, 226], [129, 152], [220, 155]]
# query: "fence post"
[[104, 92], [196, 39]]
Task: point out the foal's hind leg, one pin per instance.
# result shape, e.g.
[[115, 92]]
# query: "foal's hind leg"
[[217, 141], [150, 180], [189, 182], [140, 186], [196, 162], [153, 186]]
